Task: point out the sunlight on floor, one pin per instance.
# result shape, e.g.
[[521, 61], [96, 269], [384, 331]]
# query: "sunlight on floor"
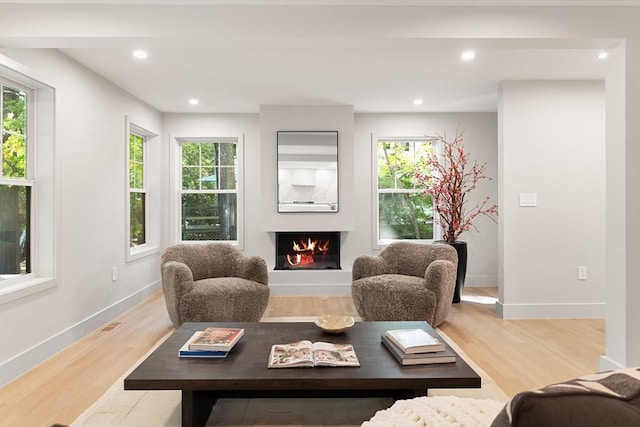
[[479, 299]]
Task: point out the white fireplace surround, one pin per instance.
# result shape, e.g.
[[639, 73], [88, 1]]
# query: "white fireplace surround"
[[310, 282], [274, 118]]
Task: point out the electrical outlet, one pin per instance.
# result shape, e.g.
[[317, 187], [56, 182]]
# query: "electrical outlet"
[[529, 199], [582, 272], [114, 274]]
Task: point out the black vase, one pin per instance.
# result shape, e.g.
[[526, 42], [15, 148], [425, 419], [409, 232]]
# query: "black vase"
[[461, 249]]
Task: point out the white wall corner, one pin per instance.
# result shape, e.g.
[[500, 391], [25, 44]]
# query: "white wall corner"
[[499, 309], [606, 364]]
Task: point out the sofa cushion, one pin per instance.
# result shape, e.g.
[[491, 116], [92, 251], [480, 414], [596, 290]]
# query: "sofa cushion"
[[606, 399]]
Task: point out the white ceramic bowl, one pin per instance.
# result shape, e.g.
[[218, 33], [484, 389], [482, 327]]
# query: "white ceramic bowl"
[[334, 324]]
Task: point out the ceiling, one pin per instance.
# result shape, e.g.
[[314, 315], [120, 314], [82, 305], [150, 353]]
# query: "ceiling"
[[234, 57]]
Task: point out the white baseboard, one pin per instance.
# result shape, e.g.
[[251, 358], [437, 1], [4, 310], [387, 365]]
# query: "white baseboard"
[[310, 282], [606, 364], [334, 282], [314, 289], [472, 281], [28, 359], [550, 311]]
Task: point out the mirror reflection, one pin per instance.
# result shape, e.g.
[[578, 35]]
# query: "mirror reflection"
[[307, 171]]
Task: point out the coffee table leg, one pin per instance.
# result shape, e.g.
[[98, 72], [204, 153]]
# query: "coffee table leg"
[[196, 407]]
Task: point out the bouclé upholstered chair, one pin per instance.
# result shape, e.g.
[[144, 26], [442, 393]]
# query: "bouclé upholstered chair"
[[406, 281], [213, 282]]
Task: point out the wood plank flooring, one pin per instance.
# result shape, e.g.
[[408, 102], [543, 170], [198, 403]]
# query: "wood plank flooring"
[[518, 354]]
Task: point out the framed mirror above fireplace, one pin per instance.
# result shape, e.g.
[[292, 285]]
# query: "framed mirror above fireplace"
[[307, 171]]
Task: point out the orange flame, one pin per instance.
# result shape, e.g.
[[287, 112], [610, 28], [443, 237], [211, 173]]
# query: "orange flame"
[[303, 252]]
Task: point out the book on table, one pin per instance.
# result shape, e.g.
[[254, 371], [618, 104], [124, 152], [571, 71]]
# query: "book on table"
[[184, 351], [216, 339], [411, 341], [307, 354], [428, 358]]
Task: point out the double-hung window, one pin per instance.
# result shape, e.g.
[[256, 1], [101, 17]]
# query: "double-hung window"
[[27, 182], [137, 190], [404, 212], [209, 189], [16, 182], [143, 220]]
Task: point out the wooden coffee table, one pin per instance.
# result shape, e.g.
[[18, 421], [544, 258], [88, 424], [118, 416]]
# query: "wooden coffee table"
[[244, 374]]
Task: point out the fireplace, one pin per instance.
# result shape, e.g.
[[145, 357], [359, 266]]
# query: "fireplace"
[[308, 250]]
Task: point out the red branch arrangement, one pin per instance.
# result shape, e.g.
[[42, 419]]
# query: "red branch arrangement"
[[448, 180]]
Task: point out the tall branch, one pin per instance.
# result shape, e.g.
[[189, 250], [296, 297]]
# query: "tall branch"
[[449, 183]]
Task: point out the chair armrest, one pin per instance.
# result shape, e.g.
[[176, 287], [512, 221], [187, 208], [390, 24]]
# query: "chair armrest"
[[367, 266], [177, 281], [254, 268], [440, 278]]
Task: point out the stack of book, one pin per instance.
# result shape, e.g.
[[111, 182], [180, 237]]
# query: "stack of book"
[[417, 347], [211, 342]]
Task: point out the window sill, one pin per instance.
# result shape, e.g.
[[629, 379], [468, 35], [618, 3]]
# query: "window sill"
[[141, 252], [24, 289]]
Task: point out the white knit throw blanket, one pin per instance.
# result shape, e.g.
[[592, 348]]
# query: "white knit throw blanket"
[[437, 411]]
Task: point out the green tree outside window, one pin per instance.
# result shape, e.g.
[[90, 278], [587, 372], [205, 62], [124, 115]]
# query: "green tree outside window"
[[15, 190], [404, 212], [209, 190], [137, 192]]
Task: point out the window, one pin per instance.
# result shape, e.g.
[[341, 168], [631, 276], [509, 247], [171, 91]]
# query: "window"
[[28, 199], [143, 199], [403, 211], [209, 189], [137, 191], [16, 182]]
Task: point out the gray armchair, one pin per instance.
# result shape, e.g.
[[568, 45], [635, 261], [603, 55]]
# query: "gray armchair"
[[213, 282], [406, 281]]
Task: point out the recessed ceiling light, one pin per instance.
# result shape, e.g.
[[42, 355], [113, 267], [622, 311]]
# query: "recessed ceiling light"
[[603, 55], [417, 102], [194, 101], [468, 55], [140, 54]]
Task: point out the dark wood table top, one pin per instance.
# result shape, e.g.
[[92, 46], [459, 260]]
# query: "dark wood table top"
[[245, 368]]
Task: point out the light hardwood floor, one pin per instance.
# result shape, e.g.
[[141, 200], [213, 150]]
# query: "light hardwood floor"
[[517, 354]]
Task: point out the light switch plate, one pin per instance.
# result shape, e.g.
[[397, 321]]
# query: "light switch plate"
[[528, 199]]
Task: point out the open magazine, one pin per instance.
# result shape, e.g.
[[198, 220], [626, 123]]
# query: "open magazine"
[[305, 353]]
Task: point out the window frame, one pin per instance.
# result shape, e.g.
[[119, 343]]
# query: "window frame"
[[151, 173], [28, 181], [40, 170], [379, 243], [176, 203]]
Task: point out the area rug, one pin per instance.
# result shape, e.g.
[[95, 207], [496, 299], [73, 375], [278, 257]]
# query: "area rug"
[[118, 407]]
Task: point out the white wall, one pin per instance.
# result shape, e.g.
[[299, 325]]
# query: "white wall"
[[245, 127], [261, 218], [90, 150], [552, 143], [274, 118], [480, 141]]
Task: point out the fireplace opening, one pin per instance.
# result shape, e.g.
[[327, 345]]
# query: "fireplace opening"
[[316, 250]]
